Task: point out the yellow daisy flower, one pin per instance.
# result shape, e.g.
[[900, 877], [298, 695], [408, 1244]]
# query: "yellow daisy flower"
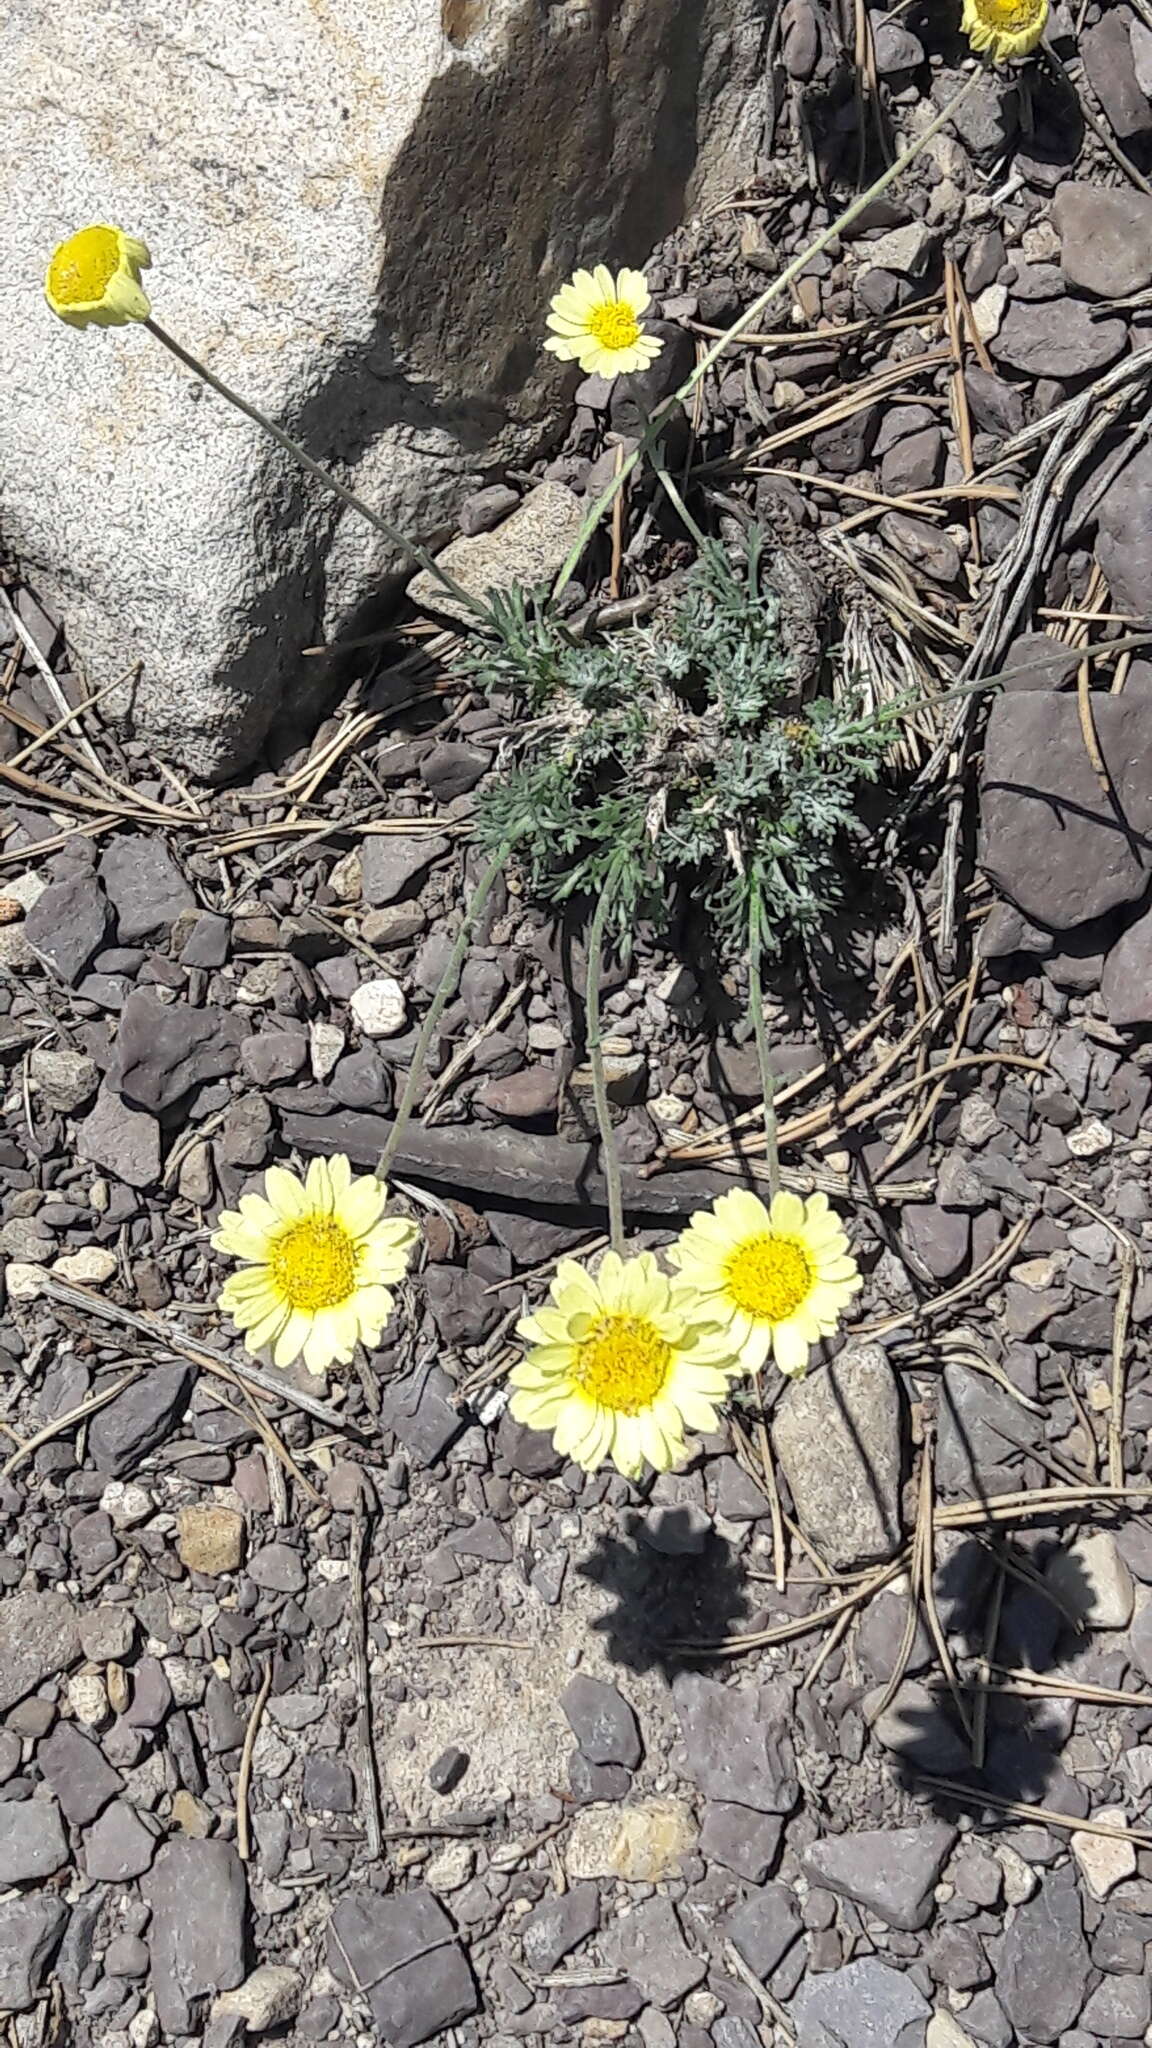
[[596, 322], [320, 1261], [620, 1365], [777, 1279], [1005, 28], [94, 279]]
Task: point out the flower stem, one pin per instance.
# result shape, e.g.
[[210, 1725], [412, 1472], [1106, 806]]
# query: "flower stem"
[[594, 1046], [399, 540], [437, 1006], [760, 1034], [749, 318]]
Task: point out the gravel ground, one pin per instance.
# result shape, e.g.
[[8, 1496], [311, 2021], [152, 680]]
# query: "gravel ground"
[[350, 1712]]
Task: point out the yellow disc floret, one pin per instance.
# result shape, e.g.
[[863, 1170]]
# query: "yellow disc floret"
[[94, 278], [770, 1276], [1004, 28], [597, 320]]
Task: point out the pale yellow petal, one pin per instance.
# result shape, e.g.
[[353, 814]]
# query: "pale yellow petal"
[[318, 1188], [787, 1213], [291, 1340], [286, 1196], [632, 290], [790, 1349]]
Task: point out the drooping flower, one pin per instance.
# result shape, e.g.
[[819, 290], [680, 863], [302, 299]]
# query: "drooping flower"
[[320, 1263], [597, 321], [1005, 28], [776, 1279], [94, 278], [620, 1366]]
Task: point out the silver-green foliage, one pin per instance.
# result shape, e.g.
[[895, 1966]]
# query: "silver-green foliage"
[[680, 754]]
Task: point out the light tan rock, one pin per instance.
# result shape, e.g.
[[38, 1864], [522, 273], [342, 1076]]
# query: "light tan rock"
[[642, 1842], [211, 1539]]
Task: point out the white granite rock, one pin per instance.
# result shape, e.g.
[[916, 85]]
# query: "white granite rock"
[[356, 214]]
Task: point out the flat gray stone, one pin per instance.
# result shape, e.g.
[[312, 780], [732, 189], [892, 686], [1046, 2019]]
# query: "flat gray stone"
[[891, 1872], [393, 864], [604, 1724], [164, 1050], [401, 1952], [78, 1772], [737, 1741], [864, 2005], [1049, 839], [32, 1841], [144, 886], [67, 924], [138, 1419], [648, 1945], [1124, 539], [837, 1436], [121, 1141], [1044, 1963], [39, 1637], [557, 1925], [118, 1846], [1105, 239], [1056, 338], [30, 1931], [1126, 982], [198, 1894], [764, 1927]]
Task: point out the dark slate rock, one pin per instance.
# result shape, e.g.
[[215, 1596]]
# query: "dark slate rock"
[[555, 1927], [195, 1953], [980, 1428], [591, 1784], [118, 1845], [139, 1419], [741, 1840], [163, 1050], [891, 1872], [938, 1238], [649, 1947], [39, 1637], [208, 942], [1044, 1965], [984, 2020], [402, 1952], [278, 1568], [121, 1141], [1105, 239], [1035, 661], [271, 1056], [867, 2003], [30, 1931], [32, 1843], [737, 1741], [78, 1772], [1126, 983], [419, 1410], [1124, 538], [329, 1786], [1119, 2009], [1048, 837], [602, 1721], [1056, 338], [1107, 56], [452, 768], [764, 1927], [394, 864], [151, 1695], [145, 887], [67, 924]]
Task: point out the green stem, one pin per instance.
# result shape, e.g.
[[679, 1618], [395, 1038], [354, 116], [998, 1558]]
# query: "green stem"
[[595, 1049], [749, 318], [437, 1006], [399, 540], [760, 1033], [672, 489]]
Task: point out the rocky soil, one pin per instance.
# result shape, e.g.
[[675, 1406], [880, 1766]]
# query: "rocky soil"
[[351, 1713]]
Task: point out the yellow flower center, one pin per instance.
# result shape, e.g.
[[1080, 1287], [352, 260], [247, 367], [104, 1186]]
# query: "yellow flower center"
[[768, 1277], [623, 1363], [1013, 16], [82, 267], [313, 1264], [614, 325]]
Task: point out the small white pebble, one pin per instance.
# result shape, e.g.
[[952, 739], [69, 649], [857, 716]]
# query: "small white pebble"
[[127, 1504], [1089, 1140], [88, 1267], [88, 1699], [23, 1280], [379, 1008]]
